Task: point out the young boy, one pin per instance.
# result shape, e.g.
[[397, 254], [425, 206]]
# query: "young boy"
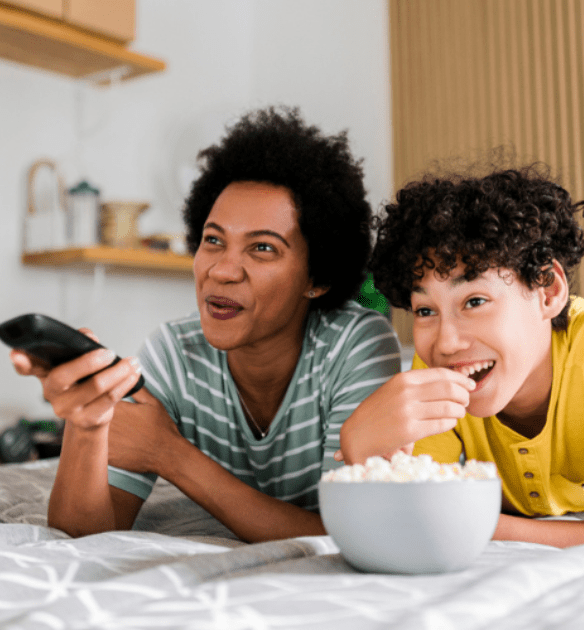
[[484, 264]]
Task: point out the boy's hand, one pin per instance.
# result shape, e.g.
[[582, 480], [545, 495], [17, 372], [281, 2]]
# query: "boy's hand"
[[88, 404], [410, 406]]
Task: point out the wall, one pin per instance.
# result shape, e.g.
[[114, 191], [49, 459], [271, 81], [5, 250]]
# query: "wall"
[[138, 140], [469, 75]]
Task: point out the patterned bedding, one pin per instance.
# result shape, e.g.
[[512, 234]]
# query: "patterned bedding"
[[180, 568]]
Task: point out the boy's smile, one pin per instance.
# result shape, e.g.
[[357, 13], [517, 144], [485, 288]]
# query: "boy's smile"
[[492, 329]]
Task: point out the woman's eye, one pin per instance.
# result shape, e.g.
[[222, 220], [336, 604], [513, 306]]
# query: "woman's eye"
[[423, 311], [265, 247], [211, 240], [474, 302]]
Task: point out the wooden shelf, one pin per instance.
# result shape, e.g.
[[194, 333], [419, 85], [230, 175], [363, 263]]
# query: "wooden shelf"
[[56, 46], [121, 259]]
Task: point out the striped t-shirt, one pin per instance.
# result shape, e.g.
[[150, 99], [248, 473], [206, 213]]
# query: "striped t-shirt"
[[346, 355]]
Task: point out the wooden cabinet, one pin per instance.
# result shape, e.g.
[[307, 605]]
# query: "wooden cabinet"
[[50, 8], [114, 19], [52, 44]]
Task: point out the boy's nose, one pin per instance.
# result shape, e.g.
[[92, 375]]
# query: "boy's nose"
[[451, 338]]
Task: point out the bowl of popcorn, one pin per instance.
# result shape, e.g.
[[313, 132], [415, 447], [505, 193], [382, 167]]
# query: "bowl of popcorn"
[[411, 514]]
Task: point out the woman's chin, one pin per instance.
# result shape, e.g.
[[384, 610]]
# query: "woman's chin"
[[219, 340]]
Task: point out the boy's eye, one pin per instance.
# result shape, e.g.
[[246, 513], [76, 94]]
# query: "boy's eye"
[[474, 302], [423, 311]]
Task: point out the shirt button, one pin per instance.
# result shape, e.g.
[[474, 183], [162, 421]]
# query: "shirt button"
[[523, 451], [534, 495], [528, 475]]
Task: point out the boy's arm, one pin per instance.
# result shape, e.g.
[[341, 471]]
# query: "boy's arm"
[[410, 406], [543, 532], [144, 438]]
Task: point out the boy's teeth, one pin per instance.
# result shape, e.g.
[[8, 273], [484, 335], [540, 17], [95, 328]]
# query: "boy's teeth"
[[469, 370]]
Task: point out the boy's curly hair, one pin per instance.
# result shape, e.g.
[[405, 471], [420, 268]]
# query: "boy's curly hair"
[[517, 219], [275, 146]]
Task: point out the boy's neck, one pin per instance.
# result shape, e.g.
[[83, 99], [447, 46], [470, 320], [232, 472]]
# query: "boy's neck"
[[527, 413], [527, 427], [527, 422]]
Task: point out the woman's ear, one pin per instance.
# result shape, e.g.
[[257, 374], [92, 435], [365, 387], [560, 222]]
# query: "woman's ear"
[[315, 292], [556, 296]]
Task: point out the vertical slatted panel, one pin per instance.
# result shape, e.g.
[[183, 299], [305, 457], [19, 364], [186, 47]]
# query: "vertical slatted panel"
[[469, 75]]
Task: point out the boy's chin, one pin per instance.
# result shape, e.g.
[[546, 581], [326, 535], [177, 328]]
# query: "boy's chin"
[[482, 409]]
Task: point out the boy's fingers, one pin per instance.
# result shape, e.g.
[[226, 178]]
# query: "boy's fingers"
[[443, 375]]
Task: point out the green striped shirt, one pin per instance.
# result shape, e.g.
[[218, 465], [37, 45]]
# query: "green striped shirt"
[[346, 355]]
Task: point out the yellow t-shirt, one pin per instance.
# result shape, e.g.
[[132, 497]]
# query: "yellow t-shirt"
[[543, 475]]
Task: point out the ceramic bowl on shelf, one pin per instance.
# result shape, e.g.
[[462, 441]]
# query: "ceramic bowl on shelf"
[[410, 527]]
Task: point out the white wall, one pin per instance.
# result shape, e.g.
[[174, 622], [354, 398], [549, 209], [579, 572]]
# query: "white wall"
[[139, 138]]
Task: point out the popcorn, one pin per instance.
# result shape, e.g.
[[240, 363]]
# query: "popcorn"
[[403, 467]]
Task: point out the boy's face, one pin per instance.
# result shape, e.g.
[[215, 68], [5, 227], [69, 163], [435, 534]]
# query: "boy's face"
[[493, 328]]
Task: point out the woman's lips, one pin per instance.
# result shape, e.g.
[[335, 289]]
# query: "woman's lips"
[[222, 308]]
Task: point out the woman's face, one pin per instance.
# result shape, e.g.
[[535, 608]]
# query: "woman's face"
[[251, 269]]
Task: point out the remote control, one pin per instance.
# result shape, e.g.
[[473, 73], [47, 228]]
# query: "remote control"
[[51, 341]]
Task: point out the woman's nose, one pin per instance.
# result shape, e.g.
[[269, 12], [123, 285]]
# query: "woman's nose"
[[227, 268]]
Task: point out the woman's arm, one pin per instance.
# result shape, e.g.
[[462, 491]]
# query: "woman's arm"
[[81, 500], [144, 438]]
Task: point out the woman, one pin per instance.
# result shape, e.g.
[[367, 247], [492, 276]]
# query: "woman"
[[245, 399]]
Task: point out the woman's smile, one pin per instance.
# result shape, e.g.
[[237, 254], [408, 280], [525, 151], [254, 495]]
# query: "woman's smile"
[[251, 269], [222, 308]]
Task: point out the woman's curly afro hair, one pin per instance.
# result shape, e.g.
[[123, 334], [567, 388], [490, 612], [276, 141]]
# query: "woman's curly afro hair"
[[515, 218], [275, 146]]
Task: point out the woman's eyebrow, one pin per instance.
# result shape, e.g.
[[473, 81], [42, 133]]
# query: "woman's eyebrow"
[[253, 234], [257, 233]]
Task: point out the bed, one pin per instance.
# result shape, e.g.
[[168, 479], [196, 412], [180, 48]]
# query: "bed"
[[180, 568]]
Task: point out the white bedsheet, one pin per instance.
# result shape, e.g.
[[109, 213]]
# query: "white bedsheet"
[[199, 576]]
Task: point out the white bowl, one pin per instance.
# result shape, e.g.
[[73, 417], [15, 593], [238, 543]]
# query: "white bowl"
[[410, 527]]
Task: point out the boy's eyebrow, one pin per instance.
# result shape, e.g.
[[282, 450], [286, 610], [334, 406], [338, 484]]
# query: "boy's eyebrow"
[[253, 234], [454, 282], [458, 280]]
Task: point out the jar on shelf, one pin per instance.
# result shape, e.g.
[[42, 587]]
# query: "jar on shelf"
[[83, 215]]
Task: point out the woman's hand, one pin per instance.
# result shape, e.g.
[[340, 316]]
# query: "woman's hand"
[[142, 435], [410, 406], [91, 403]]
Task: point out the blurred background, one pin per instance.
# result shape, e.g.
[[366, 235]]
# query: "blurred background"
[[105, 104], [137, 139]]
